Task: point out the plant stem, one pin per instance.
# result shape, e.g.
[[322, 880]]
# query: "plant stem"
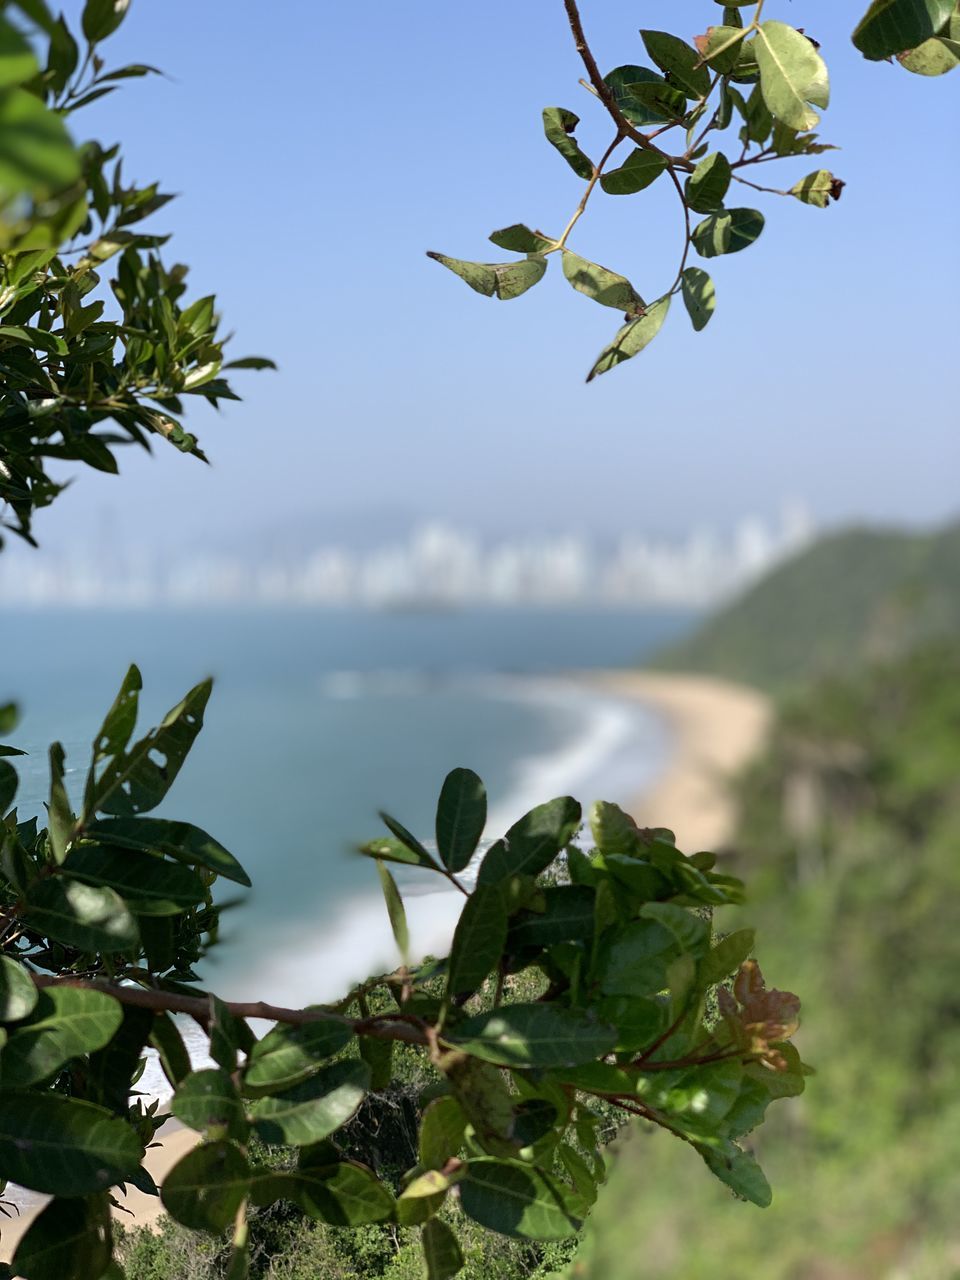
[[392, 1026], [597, 171]]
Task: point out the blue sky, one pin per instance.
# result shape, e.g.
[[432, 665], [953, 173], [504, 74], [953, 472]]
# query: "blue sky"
[[322, 147]]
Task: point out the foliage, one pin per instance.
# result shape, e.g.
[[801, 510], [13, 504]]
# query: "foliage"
[[99, 345], [852, 598], [558, 996], [746, 92], [850, 828]]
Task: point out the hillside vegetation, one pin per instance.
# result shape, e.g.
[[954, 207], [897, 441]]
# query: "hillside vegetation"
[[850, 833], [855, 597]]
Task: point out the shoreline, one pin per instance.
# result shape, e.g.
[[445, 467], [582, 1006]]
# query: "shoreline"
[[715, 727]]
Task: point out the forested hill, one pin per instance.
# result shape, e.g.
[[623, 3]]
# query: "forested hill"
[[862, 595]]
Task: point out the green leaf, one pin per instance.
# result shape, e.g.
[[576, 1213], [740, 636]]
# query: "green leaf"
[[251, 362], [891, 26], [727, 232], [727, 956], [423, 858], [441, 1250], [167, 1041], [739, 1170], [60, 815], [699, 296], [639, 1021], [558, 127], [68, 1238], [521, 240], [117, 728], [722, 47], [148, 884], [934, 57], [506, 280], [623, 80], [36, 154], [395, 910], [461, 817], [641, 168], [63, 1147], [81, 915], [341, 1194], [533, 842], [478, 941], [9, 717], [441, 1132], [102, 17], [520, 1202], [206, 1187], [690, 931], [18, 995], [632, 338], [138, 780], [180, 840], [679, 61], [398, 851], [109, 1070], [707, 185], [287, 1055], [8, 786], [792, 75], [567, 916], [310, 1111], [634, 959], [817, 188], [603, 286], [663, 99], [66, 1023], [208, 1099], [534, 1035], [17, 63]]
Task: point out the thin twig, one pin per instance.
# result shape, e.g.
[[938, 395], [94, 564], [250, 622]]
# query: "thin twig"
[[597, 171]]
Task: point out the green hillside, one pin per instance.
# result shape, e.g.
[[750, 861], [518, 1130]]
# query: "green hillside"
[[862, 595]]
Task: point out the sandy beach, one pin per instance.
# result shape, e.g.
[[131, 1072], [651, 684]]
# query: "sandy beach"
[[715, 728]]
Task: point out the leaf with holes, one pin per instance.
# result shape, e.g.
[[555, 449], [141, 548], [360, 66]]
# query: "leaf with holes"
[[135, 781]]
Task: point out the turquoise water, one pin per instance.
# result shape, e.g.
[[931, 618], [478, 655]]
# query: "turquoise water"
[[320, 718]]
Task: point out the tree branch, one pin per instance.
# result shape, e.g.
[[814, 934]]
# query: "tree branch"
[[387, 1026], [605, 93]]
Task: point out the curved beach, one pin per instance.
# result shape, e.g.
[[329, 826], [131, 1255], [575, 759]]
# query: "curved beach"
[[715, 727]]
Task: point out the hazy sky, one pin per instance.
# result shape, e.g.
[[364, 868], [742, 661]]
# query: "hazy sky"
[[322, 146]]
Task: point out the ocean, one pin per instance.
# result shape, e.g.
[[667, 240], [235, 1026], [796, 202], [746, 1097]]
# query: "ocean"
[[318, 719]]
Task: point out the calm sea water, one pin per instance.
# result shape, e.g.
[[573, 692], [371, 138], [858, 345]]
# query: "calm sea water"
[[320, 718]]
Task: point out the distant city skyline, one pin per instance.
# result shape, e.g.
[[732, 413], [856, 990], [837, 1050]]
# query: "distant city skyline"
[[437, 564]]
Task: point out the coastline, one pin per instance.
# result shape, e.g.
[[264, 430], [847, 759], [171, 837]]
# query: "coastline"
[[715, 726]]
